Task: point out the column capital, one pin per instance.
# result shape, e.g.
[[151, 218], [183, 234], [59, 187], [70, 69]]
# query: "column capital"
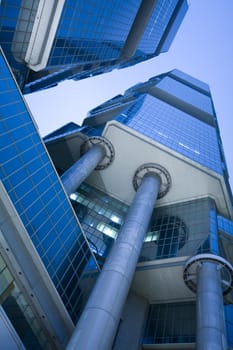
[[156, 169], [191, 267], [105, 144]]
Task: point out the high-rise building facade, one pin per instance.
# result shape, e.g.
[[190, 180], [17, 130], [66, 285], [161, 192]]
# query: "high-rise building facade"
[[180, 294], [45, 258], [46, 42]]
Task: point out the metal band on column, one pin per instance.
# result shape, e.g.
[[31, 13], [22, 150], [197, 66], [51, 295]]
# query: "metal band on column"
[[103, 142], [155, 169]]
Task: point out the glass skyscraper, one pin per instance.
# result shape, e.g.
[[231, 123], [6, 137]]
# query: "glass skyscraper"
[[43, 250], [46, 42], [167, 126]]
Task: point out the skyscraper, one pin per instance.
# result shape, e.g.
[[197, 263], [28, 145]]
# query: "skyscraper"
[[46, 42], [160, 134], [45, 257]]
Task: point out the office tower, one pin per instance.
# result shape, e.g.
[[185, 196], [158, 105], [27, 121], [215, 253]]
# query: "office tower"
[[46, 42], [162, 133], [44, 256]]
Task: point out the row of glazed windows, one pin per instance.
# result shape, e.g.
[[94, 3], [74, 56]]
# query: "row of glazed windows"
[[35, 189], [178, 230], [176, 323], [175, 129], [21, 315]]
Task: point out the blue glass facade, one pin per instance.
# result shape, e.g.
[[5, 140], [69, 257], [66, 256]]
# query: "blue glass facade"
[[179, 230], [101, 217], [175, 110], [170, 323], [90, 37], [9, 13], [189, 80], [175, 129], [199, 99], [35, 189], [156, 26], [225, 225], [92, 31]]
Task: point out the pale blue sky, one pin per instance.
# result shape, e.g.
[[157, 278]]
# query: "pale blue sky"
[[202, 48]]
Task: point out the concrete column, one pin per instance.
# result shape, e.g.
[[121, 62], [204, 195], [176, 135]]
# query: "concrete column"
[[211, 333], [97, 326], [211, 277], [82, 168]]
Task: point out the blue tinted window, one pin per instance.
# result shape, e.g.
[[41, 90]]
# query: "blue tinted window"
[[8, 20], [174, 27], [186, 94], [193, 81], [225, 225], [174, 129], [35, 190], [91, 31], [157, 25]]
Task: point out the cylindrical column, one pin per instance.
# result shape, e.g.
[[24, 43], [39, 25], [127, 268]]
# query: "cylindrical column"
[[211, 277], [98, 324], [82, 168], [211, 333]]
